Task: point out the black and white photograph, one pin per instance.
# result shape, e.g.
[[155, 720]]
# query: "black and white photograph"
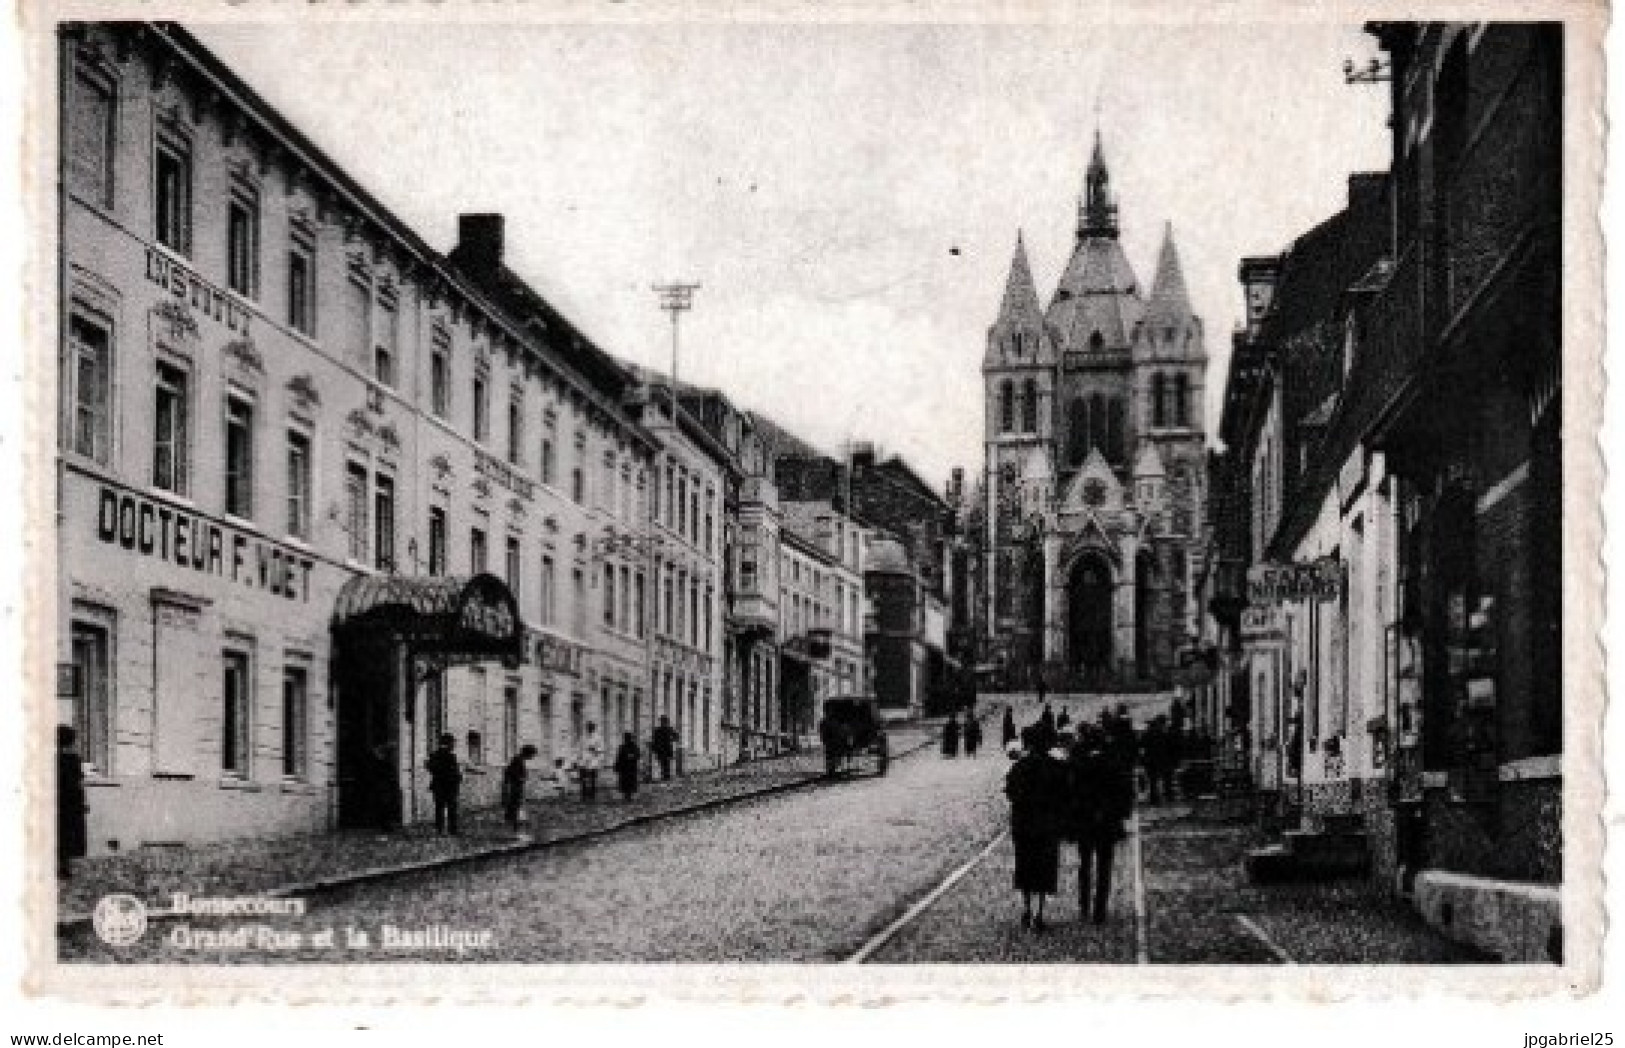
[[1056, 489]]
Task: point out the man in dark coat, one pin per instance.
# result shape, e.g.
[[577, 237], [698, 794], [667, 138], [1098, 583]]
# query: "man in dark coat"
[[663, 744], [950, 736], [1037, 786], [626, 767], [1046, 729], [71, 808], [513, 786], [1009, 731], [973, 735], [1102, 800], [445, 782], [1158, 756]]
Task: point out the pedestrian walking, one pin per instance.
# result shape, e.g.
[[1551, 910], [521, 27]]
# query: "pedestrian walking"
[[71, 809], [1009, 729], [1156, 753], [445, 782], [1037, 788], [1063, 720], [1046, 729], [663, 744], [973, 735], [1043, 691], [626, 767], [1101, 802], [589, 758], [950, 736], [513, 787]]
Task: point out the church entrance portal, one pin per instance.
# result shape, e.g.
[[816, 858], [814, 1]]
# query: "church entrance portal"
[[1089, 616]]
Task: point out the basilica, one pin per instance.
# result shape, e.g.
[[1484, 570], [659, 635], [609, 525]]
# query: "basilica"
[[1095, 476]]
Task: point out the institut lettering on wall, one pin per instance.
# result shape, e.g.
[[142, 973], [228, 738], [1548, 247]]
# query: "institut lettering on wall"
[[269, 387]]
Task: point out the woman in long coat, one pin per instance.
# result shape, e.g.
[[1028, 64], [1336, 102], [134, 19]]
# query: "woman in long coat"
[[1009, 727], [626, 767], [1037, 788]]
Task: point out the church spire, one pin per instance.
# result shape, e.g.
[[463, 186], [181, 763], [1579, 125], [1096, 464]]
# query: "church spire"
[[1097, 212], [1018, 333], [1169, 299]]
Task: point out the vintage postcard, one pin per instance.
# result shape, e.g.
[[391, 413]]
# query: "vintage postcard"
[[763, 501]]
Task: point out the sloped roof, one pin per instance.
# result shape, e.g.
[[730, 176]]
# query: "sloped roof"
[[1097, 293], [1149, 462], [1170, 302], [1019, 311]]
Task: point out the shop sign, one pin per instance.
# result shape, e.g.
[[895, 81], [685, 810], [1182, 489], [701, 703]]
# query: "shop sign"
[[191, 289], [499, 472], [1270, 585], [152, 529], [1260, 623], [483, 612], [557, 655]]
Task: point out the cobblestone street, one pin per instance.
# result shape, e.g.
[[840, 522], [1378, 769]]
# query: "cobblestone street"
[[816, 874]]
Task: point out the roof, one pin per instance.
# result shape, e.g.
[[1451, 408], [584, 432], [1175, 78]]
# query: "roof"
[[1149, 461], [1019, 312], [1170, 302], [1098, 293], [886, 556]]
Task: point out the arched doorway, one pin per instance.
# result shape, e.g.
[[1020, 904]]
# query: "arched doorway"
[[1089, 615]]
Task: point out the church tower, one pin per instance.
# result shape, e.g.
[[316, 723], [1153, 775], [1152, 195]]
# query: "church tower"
[[1095, 480], [1018, 376]]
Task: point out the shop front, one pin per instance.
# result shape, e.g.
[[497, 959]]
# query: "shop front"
[[391, 634]]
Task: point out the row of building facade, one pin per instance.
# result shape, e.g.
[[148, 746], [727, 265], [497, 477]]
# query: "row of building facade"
[[325, 493], [1384, 582]]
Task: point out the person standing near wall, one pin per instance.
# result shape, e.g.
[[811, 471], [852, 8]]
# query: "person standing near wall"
[[445, 783], [71, 837]]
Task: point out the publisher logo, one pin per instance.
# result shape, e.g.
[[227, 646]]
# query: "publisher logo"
[[119, 919]]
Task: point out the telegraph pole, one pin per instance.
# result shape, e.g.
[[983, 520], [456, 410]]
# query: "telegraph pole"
[[675, 298]]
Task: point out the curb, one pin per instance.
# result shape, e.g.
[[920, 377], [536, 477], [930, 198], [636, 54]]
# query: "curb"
[[498, 851]]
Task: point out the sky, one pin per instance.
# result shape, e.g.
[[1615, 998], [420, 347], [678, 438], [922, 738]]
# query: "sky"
[[848, 197]]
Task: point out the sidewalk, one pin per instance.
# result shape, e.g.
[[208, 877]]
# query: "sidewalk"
[[294, 865]]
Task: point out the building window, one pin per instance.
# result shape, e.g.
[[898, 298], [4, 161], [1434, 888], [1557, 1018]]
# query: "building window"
[[355, 502], [171, 442], [638, 607], [295, 722], [694, 514], [440, 376], [547, 464], [626, 598], [1182, 396], [578, 602], [671, 494], [89, 388], [710, 520], [510, 721], [1029, 406], [476, 551], [482, 406], [682, 504], [434, 706], [708, 600], [1159, 397], [383, 522], [516, 428], [92, 701], [609, 596], [172, 192], [299, 493], [243, 240], [1007, 407], [302, 284], [437, 543], [513, 566], [578, 486], [476, 748], [386, 345], [747, 575], [239, 457], [237, 705], [92, 134], [668, 618], [547, 589]]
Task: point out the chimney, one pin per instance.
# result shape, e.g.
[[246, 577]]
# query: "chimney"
[[479, 241], [1258, 275], [863, 454]]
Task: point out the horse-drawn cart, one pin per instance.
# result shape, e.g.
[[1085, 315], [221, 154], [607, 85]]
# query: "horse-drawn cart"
[[853, 736]]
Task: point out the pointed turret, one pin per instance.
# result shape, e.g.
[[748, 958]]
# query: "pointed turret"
[[1097, 212], [1170, 302], [1018, 336]]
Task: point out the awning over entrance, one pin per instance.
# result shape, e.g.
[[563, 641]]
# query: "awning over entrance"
[[463, 619]]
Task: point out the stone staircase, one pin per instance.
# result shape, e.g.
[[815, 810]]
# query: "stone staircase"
[[1339, 849]]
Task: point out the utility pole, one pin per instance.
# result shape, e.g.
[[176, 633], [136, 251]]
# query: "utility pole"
[[675, 298]]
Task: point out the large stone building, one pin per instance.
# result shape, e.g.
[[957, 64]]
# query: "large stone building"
[[322, 492], [1095, 482]]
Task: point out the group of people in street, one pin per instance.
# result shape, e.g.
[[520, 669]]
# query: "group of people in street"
[[970, 733], [1069, 783], [446, 773]]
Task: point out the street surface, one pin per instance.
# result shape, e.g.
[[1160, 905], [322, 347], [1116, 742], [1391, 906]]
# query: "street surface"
[[816, 875]]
